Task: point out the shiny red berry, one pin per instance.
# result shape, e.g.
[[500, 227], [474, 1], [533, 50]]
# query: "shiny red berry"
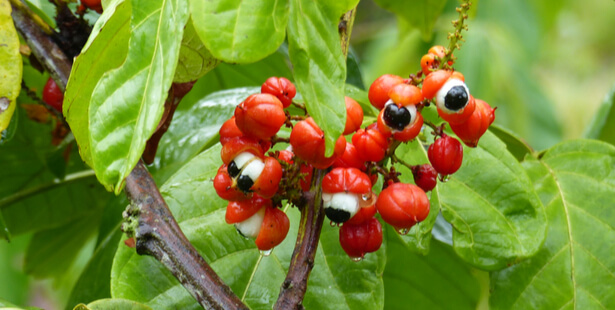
[[93, 5], [349, 159], [354, 116], [282, 88], [273, 230], [445, 155], [308, 142], [404, 123], [379, 90], [403, 205], [260, 116], [425, 177], [476, 125], [356, 240], [239, 211], [342, 192], [371, 145], [52, 95]]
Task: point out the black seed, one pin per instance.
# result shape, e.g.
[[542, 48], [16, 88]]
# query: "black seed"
[[336, 215], [396, 117], [232, 169], [244, 183], [456, 98]]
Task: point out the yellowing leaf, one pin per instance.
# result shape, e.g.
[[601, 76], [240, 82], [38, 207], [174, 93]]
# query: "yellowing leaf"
[[10, 65]]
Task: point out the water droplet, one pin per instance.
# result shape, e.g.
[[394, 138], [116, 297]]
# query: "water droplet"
[[445, 178], [332, 224], [367, 196], [402, 231], [356, 259], [266, 253]]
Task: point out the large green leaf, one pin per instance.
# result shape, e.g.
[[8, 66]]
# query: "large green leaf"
[[318, 62], [10, 67], [128, 102], [603, 124], [195, 60], [515, 145], [421, 14], [497, 217], [575, 268], [104, 51], [240, 31], [419, 236], [440, 280], [254, 278], [31, 197]]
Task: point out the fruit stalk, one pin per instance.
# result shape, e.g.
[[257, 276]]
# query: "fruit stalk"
[[301, 264], [157, 234]]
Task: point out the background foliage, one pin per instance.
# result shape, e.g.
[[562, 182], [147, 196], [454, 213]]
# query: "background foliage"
[[546, 65]]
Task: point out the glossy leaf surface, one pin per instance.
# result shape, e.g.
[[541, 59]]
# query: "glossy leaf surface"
[[10, 67], [127, 102], [318, 62], [497, 217], [227, 27], [574, 269], [195, 60]]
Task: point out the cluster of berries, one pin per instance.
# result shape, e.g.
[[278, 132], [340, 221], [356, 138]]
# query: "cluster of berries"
[[255, 181]]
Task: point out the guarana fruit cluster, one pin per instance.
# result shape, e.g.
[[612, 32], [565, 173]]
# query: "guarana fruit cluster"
[[255, 180]]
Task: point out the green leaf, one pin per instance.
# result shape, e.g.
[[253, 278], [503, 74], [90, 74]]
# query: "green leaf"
[[515, 145], [115, 304], [318, 62], [353, 73], [240, 31], [195, 129], [51, 252], [335, 279], [497, 217], [11, 67], [419, 236], [128, 102], [603, 124], [574, 269], [440, 280], [104, 51], [360, 96], [31, 197], [195, 60], [421, 14]]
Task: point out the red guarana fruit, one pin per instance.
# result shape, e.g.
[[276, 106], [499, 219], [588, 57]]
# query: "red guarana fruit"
[[342, 192], [52, 95], [239, 211], [93, 5], [274, 229], [364, 214], [445, 155], [476, 125], [308, 142], [356, 240], [403, 205], [260, 116], [370, 144], [379, 90], [282, 88], [349, 159], [425, 177], [354, 116]]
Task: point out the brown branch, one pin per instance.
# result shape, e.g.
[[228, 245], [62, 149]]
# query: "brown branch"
[[153, 224], [158, 234], [301, 264], [176, 93], [44, 49]]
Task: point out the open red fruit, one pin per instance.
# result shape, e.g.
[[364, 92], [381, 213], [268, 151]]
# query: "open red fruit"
[[356, 240], [52, 95], [282, 88], [403, 205], [445, 155], [239, 211], [260, 116], [476, 125], [308, 142], [342, 192]]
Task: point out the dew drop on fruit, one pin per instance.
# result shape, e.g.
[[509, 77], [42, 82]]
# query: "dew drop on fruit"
[[266, 253], [332, 224], [366, 197], [445, 178], [403, 231], [356, 259]]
